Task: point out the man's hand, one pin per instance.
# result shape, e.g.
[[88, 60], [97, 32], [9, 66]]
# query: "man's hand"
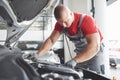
[[31, 56], [72, 63]]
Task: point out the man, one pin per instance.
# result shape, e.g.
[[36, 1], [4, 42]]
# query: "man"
[[83, 32]]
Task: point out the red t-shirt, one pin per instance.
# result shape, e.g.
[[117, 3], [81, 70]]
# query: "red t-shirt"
[[88, 26]]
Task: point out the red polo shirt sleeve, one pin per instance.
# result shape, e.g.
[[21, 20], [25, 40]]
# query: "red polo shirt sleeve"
[[88, 26]]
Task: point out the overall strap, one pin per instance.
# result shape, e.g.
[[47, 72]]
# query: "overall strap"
[[81, 19]]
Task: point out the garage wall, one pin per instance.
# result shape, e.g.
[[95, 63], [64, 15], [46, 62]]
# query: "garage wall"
[[80, 6]]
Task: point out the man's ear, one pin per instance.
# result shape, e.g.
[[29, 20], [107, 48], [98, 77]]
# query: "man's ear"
[[71, 13]]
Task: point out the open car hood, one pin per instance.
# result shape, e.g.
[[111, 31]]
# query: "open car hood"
[[20, 14]]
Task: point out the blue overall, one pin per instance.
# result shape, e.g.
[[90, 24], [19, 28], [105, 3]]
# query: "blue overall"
[[94, 64]]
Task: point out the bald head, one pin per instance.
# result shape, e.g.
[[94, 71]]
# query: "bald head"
[[63, 15], [59, 10]]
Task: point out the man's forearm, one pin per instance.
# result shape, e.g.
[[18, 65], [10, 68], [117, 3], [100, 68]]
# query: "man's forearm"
[[45, 47], [87, 53]]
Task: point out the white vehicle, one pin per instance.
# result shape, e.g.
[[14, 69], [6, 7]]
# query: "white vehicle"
[[114, 53]]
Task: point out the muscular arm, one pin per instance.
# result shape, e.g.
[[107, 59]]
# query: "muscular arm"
[[49, 43], [91, 49]]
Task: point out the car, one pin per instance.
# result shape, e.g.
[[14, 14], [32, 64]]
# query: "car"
[[18, 16], [19, 20], [114, 53]]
